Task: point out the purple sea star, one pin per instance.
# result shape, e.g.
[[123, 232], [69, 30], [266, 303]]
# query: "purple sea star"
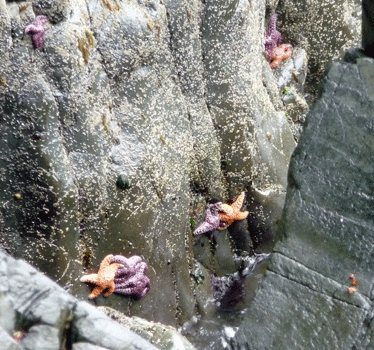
[[273, 37], [131, 279], [37, 31], [229, 290], [212, 220]]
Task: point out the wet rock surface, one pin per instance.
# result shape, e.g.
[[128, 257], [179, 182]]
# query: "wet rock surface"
[[119, 130], [326, 231]]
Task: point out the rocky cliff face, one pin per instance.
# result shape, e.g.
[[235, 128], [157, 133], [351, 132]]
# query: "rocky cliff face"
[[127, 121], [168, 98]]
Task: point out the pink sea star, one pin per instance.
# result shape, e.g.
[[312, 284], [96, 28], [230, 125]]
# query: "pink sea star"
[[131, 279], [37, 31]]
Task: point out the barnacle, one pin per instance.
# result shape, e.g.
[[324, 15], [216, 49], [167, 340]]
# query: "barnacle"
[[23, 8]]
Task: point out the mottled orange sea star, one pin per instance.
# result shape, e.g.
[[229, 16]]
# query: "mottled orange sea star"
[[104, 279], [279, 54], [230, 213]]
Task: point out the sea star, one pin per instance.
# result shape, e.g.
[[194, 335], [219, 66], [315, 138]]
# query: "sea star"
[[212, 220], [229, 290], [131, 279], [279, 54], [230, 213], [273, 37], [104, 279], [37, 31]]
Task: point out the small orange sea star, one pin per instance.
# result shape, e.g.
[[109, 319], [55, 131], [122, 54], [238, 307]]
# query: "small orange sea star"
[[230, 213], [279, 54], [104, 279]]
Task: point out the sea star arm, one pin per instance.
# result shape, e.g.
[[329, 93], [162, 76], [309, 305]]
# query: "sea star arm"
[[106, 262], [239, 202], [90, 278], [95, 292], [241, 215], [226, 210], [204, 227], [110, 289]]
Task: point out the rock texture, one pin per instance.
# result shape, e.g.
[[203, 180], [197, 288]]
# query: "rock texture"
[[163, 337], [325, 29], [123, 125], [327, 229], [50, 318]]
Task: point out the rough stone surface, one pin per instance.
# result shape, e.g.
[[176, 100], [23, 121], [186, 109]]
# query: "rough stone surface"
[[174, 98], [170, 93], [41, 337], [6, 341], [327, 229], [325, 29], [161, 336], [50, 318]]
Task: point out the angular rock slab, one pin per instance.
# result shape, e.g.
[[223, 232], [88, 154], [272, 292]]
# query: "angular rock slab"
[[327, 229]]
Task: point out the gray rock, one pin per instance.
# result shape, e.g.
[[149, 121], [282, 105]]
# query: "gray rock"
[[41, 338], [326, 229], [91, 325], [7, 314], [154, 90], [86, 346], [309, 24], [6, 341], [293, 71], [161, 336]]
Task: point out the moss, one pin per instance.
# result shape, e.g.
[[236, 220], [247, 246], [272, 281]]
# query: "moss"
[[163, 140], [84, 47], [192, 224], [105, 124], [90, 38], [86, 258], [17, 196], [123, 182]]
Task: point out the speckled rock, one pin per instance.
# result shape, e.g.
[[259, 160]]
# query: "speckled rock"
[[169, 93], [311, 25]]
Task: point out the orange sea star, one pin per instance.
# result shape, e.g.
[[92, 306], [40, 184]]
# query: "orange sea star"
[[230, 213], [279, 54], [104, 279]]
